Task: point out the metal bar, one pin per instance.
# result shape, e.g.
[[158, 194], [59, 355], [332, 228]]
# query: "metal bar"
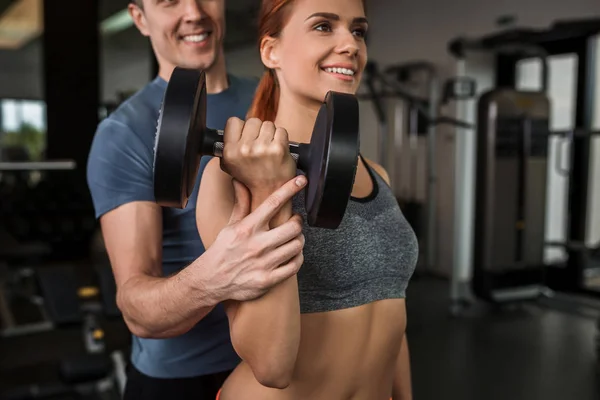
[[430, 259], [38, 166], [5, 311], [120, 366], [460, 292], [580, 162], [577, 132], [21, 330]]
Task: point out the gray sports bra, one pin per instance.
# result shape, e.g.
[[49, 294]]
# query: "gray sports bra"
[[370, 257]]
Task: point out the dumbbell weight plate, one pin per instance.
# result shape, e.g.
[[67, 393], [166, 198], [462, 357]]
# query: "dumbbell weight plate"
[[177, 141], [333, 160], [182, 138]]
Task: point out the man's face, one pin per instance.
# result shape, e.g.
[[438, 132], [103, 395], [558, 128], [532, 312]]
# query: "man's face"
[[184, 33]]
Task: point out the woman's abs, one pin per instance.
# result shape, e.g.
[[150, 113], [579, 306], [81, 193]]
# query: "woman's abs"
[[347, 354]]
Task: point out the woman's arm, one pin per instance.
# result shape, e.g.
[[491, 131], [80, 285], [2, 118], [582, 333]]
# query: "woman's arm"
[[265, 332]]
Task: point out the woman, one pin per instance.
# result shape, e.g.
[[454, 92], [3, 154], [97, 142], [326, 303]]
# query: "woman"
[[335, 330]]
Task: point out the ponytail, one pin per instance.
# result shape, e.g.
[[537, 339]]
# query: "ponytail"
[[266, 99]]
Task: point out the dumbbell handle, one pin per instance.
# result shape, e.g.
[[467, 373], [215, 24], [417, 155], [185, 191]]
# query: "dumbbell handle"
[[299, 151]]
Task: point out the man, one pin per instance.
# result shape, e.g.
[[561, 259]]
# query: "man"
[[169, 289]]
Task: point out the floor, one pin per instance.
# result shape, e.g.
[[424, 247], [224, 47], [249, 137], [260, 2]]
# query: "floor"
[[534, 352], [529, 353]]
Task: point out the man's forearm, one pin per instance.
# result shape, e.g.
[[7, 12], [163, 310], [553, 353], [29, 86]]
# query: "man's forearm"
[[160, 307], [402, 377]]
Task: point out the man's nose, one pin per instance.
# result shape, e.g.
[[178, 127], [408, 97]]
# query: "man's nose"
[[192, 10]]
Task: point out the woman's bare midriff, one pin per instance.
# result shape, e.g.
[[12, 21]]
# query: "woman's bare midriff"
[[348, 354]]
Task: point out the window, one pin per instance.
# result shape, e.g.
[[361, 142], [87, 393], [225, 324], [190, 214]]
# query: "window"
[[22, 127]]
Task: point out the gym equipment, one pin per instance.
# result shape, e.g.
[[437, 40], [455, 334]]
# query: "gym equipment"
[[329, 161], [422, 111], [108, 288], [45, 204], [20, 286], [504, 253], [67, 165], [95, 372], [412, 207], [59, 291], [510, 203]]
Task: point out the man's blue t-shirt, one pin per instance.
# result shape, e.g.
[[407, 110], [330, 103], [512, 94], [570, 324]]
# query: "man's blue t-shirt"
[[119, 171]]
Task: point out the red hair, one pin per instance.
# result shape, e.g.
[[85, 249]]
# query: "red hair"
[[272, 18]]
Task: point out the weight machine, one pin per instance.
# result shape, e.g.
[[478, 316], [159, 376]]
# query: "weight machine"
[[49, 297], [95, 371], [423, 117], [501, 170]]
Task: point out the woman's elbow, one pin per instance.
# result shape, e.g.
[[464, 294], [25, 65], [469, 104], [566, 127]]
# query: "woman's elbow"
[[270, 370], [274, 376]]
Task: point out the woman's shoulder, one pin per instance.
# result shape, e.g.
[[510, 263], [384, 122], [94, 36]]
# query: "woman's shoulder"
[[379, 169]]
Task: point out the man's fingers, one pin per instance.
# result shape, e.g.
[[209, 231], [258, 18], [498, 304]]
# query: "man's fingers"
[[283, 233], [272, 204], [241, 205], [285, 252], [287, 270]]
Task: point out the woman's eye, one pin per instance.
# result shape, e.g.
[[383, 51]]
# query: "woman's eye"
[[360, 32], [324, 27]]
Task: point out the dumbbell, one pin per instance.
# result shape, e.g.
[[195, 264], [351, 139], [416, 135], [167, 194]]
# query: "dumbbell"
[[182, 138]]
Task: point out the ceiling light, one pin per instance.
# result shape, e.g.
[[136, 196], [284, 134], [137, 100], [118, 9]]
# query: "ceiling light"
[[116, 22], [21, 22]]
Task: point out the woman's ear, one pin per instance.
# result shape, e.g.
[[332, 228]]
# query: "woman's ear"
[[269, 52]]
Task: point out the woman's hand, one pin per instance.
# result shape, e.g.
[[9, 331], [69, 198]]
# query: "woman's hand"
[[257, 154]]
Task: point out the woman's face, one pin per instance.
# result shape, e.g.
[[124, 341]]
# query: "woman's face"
[[321, 48]]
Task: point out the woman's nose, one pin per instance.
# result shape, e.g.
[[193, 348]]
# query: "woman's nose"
[[348, 44]]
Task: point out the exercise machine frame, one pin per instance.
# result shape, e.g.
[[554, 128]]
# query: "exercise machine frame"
[[508, 48], [424, 111]]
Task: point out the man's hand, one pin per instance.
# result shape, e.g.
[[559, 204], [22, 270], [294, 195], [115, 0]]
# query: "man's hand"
[[243, 263], [247, 258]]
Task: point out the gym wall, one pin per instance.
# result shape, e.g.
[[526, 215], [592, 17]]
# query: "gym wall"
[[244, 62], [21, 76], [122, 69]]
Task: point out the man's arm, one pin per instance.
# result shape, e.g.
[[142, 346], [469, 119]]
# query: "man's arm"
[[241, 265], [120, 180], [153, 306], [402, 389]]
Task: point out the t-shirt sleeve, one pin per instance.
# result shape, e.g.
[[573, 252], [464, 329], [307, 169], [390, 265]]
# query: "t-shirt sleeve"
[[119, 168]]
